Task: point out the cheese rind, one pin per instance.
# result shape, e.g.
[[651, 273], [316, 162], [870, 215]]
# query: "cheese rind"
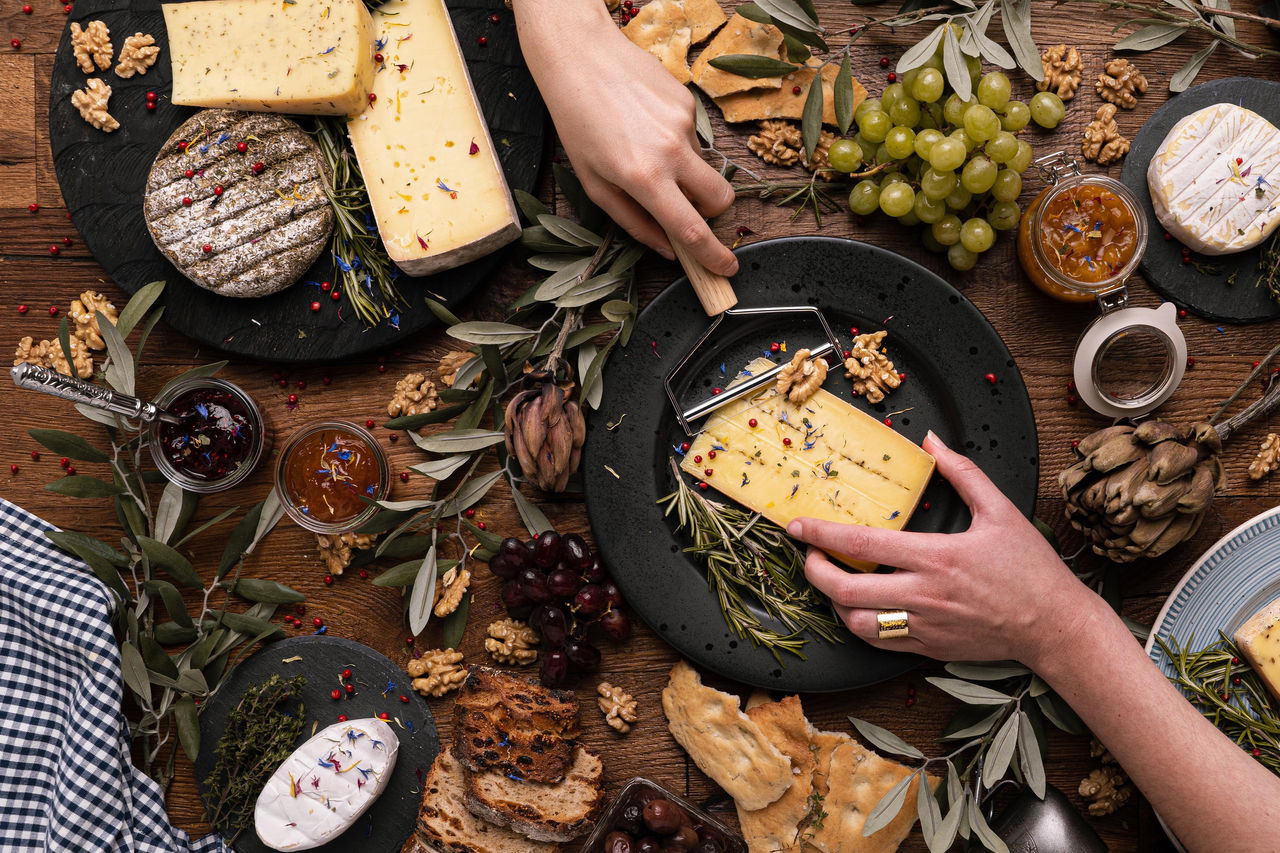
[[312, 57], [434, 180], [1215, 180], [1259, 642], [841, 465], [325, 785]]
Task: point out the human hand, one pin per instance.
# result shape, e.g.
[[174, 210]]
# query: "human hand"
[[996, 591], [628, 128]]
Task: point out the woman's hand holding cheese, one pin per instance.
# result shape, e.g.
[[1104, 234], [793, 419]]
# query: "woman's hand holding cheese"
[[627, 127], [998, 591]]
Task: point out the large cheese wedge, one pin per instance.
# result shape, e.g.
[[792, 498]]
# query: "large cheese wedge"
[[313, 57], [325, 785], [434, 180], [1259, 642], [1215, 180], [822, 459]]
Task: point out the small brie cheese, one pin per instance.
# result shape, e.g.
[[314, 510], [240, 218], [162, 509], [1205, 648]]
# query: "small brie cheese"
[[1215, 180], [1259, 642], [325, 785]]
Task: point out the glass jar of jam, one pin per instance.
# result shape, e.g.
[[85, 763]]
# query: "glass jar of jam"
[[329, 476], [1083, 235], [221, 438]]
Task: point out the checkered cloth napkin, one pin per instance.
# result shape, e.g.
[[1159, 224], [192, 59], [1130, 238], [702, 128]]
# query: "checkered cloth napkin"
[[66, 782]]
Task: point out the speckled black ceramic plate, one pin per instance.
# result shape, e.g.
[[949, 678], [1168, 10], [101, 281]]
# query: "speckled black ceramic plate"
[[389, 821], [1209, 296], [102, 177], [937, 337]]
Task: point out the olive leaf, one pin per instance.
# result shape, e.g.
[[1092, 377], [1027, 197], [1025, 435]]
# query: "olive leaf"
[[529, 205], [134, 670], [436, 416], [82, 486], [184, 712], [442, 313], [1000, 753], [422, 598], [147, 327], [971, 721], [888, 806], [919, 53], [591, 290], [945, 835], [404, 574], [617, 310], [587, 334], [752, 65], [978, 824], [68, 444], [460, 441], [440, 469], [250, 625], [791, 13], [534, 521], [927, 808], [481, 332], [1015, 18], [551, 262], [536, 238], [173, 511], [1151, 37], [842, 94], [885, 739], [200, 372], [988, 671], [470, 494], [972, 694], [171, 633], [559, 282], [1223, 22], [701, 121], [455, 624], [797, 51], [1059, 713], [120, 371], [64, 341], [954, 65], [173, 562], [488, 539], [592, 382], [1184, 76], [1029, 758], [87, 548], [589, 214], [569, 231], [173, 603], [137, 307], [155, 657], [240, 540], [255, 589]]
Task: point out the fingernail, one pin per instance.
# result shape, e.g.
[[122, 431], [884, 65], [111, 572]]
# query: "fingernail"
[[732, 269], [796, 529]]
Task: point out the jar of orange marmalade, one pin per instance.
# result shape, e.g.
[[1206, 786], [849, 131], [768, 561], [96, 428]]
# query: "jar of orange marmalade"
[[1083, 236]]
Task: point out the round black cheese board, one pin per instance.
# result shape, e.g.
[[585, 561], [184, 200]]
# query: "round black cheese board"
[[1223, 288], [102, 177]]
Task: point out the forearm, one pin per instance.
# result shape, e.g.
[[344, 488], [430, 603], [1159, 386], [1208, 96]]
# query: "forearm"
[[1203, 785], [559, 28]]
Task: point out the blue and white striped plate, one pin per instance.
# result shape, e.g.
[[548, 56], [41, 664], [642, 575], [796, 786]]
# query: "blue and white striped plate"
[[1230, 582]]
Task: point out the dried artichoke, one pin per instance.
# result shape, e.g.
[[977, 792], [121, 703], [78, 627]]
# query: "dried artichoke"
[[545, 433]]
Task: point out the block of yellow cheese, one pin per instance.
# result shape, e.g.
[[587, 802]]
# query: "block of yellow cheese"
[[840, 464], [1259, 642], [313, 57], [434, 180]]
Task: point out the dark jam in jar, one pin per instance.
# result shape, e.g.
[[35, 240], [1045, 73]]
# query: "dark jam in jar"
[[216, 435], [330, 473]]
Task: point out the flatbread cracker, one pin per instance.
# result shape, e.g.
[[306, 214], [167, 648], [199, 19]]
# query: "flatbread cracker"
[[858, 779], [784, 103], [739, 36], [705, 17], [773, 829], [724, 742], [662, 28], [824, 745], [757, 698]]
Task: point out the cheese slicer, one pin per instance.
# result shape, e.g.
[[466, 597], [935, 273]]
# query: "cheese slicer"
[[36, 378], [752, 383]]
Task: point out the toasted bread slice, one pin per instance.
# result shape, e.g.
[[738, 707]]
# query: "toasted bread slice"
[[507, 724], [445, 825], [558, 812]]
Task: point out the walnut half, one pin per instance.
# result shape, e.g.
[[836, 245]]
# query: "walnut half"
[[84, 314], [873, 374], [1102, 140], [336, 548], [777, 143], [512, 642], [91, 101], [137, 55], [450, 589], [618, 707], [1106, 789], [1119, 82], [437, 672], [91, 46], [49, 354], [1062, 71], [802, 378], [1268, 458], [414, 395]]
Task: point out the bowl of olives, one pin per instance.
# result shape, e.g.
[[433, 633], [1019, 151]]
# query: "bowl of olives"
[[647, 818]]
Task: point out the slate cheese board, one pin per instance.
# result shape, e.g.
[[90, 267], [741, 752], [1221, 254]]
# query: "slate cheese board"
[[102, 176], [1214, 295], [389, 821]]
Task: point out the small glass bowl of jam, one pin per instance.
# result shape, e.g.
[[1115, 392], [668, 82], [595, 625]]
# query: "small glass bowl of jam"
[[329, 476], [1083, 235], [220, 441]]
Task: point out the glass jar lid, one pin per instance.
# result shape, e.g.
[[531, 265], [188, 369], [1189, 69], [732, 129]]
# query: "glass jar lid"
[[1130, 360]]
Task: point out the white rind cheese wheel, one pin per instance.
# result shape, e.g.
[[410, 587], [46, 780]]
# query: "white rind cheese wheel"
[[326, 785], [1215, 180]]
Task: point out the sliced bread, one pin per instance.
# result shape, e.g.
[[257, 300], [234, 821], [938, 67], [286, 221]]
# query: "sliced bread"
[[507, 724], [557, 812], [446, 825]]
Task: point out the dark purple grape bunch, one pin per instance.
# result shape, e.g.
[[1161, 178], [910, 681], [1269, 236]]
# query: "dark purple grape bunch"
[[560, 587]]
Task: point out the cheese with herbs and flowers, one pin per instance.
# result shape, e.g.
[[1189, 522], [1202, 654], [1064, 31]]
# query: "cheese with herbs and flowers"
[[1215, 180], [325, 785], [434, 180], [821, 459], [1259, 642], [312, 57]]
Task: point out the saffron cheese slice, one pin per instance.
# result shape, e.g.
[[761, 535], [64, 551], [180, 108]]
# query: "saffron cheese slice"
[[1215, 180], [433, 176], [313, 57], [1259, 642], [840, 464], [325, 785]]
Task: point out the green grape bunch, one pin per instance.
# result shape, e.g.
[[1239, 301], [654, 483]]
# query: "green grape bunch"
[[951, 166]]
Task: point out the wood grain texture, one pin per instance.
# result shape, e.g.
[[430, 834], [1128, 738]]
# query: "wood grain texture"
[[1040, 333]]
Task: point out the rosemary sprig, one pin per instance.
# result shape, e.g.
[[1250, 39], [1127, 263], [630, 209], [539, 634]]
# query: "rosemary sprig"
[[364, 272], [1227, 691], [260, 734], [750, 560], [1269, 267]]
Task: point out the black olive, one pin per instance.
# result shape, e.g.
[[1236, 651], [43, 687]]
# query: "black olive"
[[618, 842], [630, 819], [663, 816]]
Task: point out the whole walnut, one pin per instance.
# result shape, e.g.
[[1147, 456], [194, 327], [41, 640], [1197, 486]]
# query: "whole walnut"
[[1062, 71]]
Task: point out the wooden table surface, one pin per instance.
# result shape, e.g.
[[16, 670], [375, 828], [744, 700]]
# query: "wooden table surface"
[[1040, 333]]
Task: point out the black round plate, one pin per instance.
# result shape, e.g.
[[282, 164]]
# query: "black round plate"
[[389, 821], [1209, 296], [102, 177], [936, 336]]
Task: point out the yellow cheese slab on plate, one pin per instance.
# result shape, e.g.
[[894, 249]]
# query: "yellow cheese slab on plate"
[[840, 465], [1259, 641], [313, 57], [434, 180]]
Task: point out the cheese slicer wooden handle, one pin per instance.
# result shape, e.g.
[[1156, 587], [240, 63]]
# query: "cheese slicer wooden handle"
[[715, 292]]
